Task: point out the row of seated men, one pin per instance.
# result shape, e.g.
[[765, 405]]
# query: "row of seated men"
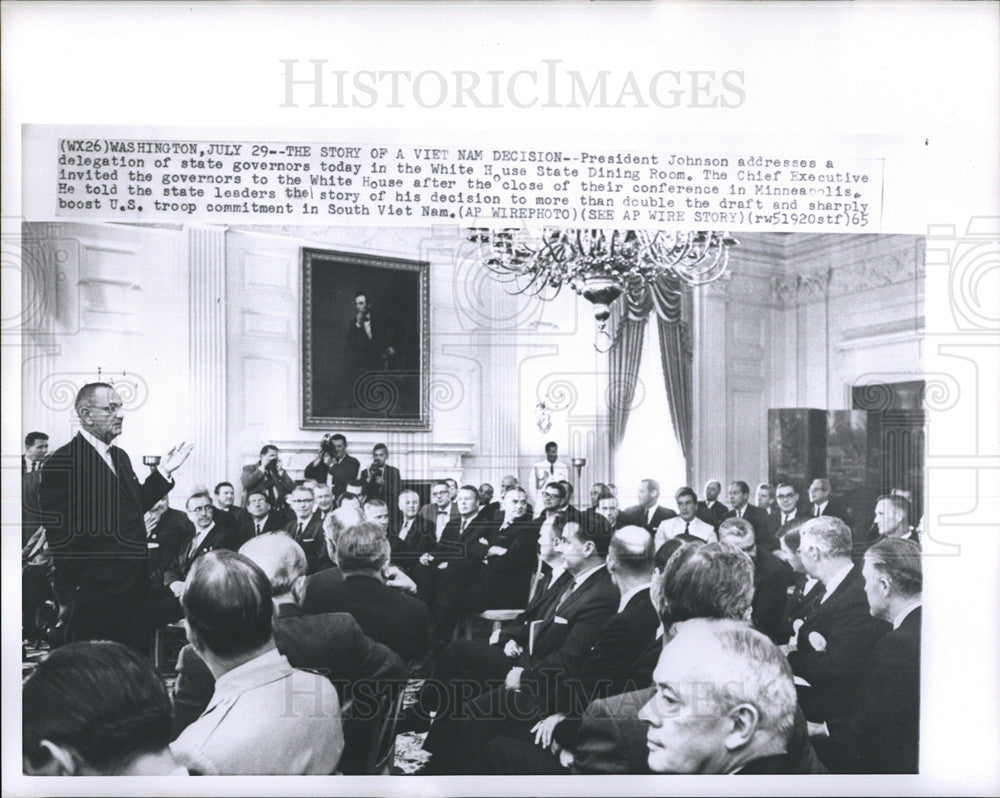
[[622, 662]]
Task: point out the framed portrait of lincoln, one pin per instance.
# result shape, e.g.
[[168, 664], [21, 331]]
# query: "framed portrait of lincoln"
[[365, 341]]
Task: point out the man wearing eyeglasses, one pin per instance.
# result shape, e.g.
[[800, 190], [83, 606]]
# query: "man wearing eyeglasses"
[[94, 506]]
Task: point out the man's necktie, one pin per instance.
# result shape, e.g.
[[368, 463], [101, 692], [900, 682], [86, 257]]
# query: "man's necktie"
[[687, 528], [552, 468], [298, 535], [260, 528], [784, 518], [816, 511]]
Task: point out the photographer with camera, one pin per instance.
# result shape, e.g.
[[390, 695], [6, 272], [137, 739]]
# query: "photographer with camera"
[[381, 481], [332, 465], [268, 476]]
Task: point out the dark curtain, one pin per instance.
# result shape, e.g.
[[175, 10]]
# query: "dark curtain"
[[672, 308]]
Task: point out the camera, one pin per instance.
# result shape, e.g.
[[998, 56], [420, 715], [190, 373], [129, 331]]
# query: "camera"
[[326, 445]]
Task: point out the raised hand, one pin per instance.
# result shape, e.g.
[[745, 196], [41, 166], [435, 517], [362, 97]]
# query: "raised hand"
[[175, 458]]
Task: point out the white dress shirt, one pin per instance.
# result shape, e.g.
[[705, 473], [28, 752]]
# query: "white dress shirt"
[[441, 520], [672, 527], [102, 449]]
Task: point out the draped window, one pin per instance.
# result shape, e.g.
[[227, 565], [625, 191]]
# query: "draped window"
[[672, 308]]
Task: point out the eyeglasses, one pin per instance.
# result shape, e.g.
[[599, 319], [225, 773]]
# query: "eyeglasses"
[[109, 409]]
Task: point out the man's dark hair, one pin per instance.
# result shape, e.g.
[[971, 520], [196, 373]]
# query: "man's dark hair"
[[361, 293], [686, 491], [714, 580], [33, 437], [437, 482], [338, 437], [595, 528], [900, 561], [227, 603], [739, 483], [86, 394], [568, 486], [362, 547], [781, 485], [473, 488], [222, 485], [792, 536], [102, 699], [380, 447], [560, 488], [253, 493], [605, 494], [551, 445], [665, 552], [270, 447]]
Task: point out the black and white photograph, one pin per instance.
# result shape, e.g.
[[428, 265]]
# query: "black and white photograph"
[[413, 398]]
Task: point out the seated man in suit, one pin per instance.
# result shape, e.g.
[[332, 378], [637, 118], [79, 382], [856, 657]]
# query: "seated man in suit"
[[892, 518], [647, 513], [489, 507], [739, 499], [98, 709], [412, 535], [259, 518], [229, 610], [225, 505], [711, 510], [607, 507], [391, 617], [771, 577], [557, 645], [323, 496], [787, 500], [606, 667], [167, 530], [765, 499], [205, 536], [741, 718], [511, 559], [306, 528], [805, 592], [686, 524], [441, 508], [822, 504], [883, 735], [831, 647]]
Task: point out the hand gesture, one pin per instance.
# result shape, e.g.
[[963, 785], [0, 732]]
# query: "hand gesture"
[[175, 458], [394, 577], [513, 679], [544, 728], [512, 649]]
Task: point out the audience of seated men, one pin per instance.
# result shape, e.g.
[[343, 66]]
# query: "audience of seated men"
[[167, 530], [511, 559], [711, 510], [559, 643], [742, 720], [686, 525], [883, 734], [99, 709], [830, 648], [647, 513], [228, 609], [306, 528], [389, 616], [771, 577], [805, 592], [547, 697]]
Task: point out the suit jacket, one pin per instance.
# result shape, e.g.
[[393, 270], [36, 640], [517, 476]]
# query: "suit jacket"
[[429, 512], [312, 541], [636, 516], [276, 487], [713, 515], [799, 605], [386, 615], [771, 579], [772, 523], [883, 736], [218, 537], [233, 517], [607, 666], [387, 490], [332, 644], [834, 507], [569, 628], [31, 511], [336, 475], [318, 584], [775, 529], [93, 516], [246, 529], [546, 593], [171, 534], [757, 519], [419, 538], [505, 580], [835, 675]]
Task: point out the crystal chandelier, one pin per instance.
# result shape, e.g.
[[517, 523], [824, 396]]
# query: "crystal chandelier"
[[600, 265]]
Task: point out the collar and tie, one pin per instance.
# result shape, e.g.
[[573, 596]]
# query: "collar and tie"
[[816, 510], [298, 535], [259, 526]]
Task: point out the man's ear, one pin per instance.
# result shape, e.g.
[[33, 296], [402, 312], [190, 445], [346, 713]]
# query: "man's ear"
[[744, 719], [299, 589], [58, 761]]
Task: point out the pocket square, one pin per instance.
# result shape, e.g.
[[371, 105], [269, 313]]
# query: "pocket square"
[[557, 619]]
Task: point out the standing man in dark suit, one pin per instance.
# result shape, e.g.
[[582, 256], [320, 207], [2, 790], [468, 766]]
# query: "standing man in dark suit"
[[805, 592], [765, 500], [269, 477], [711, 510], [94, 506], [391, 617], [821, 503], [739, 498], [883, 736], [831, 647], [647, 513], [36, 561], [380, 480], [306, 529]]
